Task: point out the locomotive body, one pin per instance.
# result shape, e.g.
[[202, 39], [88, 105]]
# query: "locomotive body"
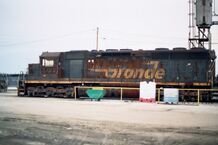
[[58, 72]]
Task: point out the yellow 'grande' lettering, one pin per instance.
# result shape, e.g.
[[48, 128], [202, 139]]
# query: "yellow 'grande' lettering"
[[119, 73], [112, 73], [138, 73], [147, 74], [160, 74], [152, 72], [128, 73]]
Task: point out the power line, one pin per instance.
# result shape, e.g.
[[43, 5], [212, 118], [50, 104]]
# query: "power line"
[[45, 39], [103, 38]]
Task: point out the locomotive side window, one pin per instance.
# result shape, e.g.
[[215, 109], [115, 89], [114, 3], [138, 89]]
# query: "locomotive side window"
[[47, 63]]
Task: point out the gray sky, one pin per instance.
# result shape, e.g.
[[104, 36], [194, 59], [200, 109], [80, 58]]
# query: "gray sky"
[[29, 27]]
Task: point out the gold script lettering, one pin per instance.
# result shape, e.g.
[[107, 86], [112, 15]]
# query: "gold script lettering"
[[160, 74], [128, 73]]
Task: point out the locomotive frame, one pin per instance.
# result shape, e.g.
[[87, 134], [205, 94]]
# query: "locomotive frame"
[[58, 72]]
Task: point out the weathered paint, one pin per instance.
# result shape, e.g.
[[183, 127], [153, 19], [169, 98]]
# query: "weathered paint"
[[150, 70]]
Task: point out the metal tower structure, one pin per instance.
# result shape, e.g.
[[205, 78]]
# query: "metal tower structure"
[[200, 21], [192, 25], [214, 9]]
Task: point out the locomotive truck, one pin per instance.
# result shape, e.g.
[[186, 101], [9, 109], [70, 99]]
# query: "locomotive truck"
[[57, 73]]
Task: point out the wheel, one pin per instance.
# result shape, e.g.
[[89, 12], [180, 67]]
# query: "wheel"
[[33, 94], [69, 92], [29, 93]]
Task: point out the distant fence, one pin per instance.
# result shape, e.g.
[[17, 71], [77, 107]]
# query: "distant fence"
[[12, 80]]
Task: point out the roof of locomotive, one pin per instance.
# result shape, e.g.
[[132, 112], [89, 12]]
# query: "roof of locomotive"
[[177, 49], [50, 54], [157, 50], [139, 52]]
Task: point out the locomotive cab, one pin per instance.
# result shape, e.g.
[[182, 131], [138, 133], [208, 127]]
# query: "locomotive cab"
[[50, 64]]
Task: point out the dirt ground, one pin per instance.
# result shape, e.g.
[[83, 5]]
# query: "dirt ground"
[[55, 121]]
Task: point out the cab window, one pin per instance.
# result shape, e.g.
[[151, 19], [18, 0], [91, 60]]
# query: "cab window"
[[47, 63]]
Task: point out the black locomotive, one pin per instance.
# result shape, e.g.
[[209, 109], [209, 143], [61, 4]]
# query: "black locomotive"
[[58, 72]]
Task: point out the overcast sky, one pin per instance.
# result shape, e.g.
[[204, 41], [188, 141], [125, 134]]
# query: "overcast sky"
[[29, 27]]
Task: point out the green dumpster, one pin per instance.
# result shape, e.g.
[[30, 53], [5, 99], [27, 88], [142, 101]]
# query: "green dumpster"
[[96, 93]]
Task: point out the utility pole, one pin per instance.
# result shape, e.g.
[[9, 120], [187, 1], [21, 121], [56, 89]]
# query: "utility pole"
[[97, 38]]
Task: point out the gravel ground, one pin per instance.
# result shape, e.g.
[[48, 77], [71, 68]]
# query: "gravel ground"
[[53, 121]]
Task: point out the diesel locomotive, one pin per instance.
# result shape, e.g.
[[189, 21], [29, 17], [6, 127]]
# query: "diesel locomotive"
[[57, 73]]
